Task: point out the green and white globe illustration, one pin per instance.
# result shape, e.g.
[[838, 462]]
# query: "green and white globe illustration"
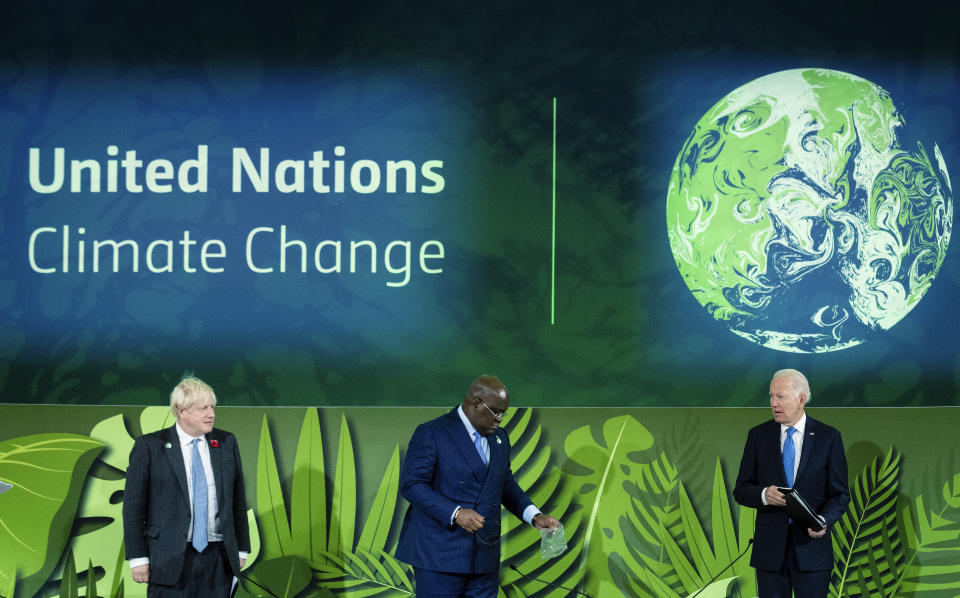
[[798, 219]]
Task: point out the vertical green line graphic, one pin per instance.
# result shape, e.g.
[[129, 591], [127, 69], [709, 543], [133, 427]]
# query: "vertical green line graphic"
[[553, 230]]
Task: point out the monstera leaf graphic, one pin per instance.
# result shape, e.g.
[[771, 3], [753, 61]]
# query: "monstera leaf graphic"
[[47, 473], [600, 473], [102, 543]]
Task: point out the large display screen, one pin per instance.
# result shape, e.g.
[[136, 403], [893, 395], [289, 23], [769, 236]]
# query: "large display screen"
[[628, 206]]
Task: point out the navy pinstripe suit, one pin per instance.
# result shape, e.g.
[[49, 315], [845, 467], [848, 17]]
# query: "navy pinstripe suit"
[[442, 470]]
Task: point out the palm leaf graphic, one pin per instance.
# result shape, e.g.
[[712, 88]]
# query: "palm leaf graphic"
[[545, 484], [322, 537], [645, 567], [697, 562], [275, 537], [308, 494], [933, 539], [363, 573], [868, 550]]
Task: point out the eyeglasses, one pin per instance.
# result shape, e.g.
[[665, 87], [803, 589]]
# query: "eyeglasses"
[[497, 415]]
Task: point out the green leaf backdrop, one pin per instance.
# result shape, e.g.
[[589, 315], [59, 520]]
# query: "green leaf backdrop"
[[322, 487]]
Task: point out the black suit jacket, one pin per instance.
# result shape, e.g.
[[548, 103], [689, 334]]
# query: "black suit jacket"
[[821, 479], [156, 502]]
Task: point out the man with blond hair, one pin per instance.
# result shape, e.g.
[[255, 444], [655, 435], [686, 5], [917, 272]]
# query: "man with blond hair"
[[794, 451], [184, 511]]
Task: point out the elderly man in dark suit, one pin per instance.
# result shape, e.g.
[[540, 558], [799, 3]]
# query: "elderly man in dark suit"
[[184, 512], [456, 474], [792, 450]]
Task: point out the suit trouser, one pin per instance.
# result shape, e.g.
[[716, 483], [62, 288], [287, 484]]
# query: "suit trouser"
[[435, 584], [790, 580], [205, 574]]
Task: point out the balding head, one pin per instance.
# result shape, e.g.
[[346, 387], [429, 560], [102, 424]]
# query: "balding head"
[[485, 403]]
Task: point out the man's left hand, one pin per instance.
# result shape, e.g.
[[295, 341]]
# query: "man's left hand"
[[820, 533], [541, 521]]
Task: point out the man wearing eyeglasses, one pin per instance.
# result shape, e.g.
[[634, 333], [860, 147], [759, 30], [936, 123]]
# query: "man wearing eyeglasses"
[[456, 474]]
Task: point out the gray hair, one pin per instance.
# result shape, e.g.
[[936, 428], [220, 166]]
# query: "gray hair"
[[797, 380]]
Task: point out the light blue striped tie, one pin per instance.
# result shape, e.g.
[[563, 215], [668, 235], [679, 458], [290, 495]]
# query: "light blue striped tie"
[[199, 499], [478, 442]]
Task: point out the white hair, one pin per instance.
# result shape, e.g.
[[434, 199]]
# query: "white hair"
[[797, 380]]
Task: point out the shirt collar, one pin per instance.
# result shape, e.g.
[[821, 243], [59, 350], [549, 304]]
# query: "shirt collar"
[[466, 422], [800, 426], [185, 438]]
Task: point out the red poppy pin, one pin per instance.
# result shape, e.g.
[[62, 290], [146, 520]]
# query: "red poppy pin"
[[215, 443]]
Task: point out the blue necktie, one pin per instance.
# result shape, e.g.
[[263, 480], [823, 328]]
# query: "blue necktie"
[[199, 499], [789, 456], [478, 442]]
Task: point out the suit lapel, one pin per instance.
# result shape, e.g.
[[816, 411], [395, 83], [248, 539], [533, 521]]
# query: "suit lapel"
[[175, 455], [809, 438], [463, 442], [216, 463], [498, 450], [489, 491], [777, 450]]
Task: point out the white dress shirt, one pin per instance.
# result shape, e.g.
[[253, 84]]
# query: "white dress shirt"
[[797, 438], [203, 447]]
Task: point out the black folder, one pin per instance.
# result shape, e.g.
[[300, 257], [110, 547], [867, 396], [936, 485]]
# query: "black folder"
[[800, 511]]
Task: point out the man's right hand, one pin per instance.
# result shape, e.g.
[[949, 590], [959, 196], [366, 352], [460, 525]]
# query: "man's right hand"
[[469, 520], [774, 497], [141, 574]]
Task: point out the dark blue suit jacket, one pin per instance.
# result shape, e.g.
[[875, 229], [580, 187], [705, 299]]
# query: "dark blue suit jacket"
[[156, 502], [442, 470], [821, 480]]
